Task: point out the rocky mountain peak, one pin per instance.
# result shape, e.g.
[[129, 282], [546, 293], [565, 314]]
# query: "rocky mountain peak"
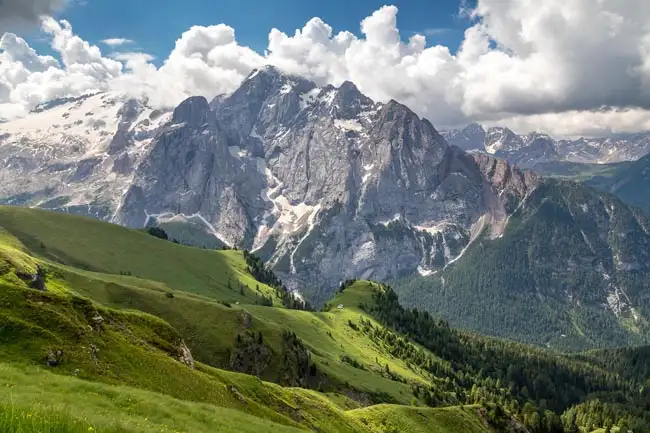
[[400, 123], [265, 82], [350, 101], [471, 137], [473, 128], [194, 111]]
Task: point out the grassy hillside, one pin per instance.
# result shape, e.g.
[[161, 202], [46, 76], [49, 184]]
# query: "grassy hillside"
[[34, 399], [118, 344], [93, 326], [382, 418], [85, 244]]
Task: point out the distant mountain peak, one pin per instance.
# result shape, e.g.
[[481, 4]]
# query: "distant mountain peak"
[[524, 150]]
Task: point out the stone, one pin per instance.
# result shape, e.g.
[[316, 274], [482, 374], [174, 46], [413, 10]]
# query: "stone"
[[54, 358], [185, 356]]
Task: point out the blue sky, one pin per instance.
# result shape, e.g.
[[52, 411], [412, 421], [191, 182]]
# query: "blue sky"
[[155, 26]]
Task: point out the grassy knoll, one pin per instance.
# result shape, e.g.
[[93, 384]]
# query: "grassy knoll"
[[209, 320]]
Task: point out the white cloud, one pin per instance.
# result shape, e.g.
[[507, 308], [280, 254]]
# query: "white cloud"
[[116, 42], [550, 66], [131, 58]]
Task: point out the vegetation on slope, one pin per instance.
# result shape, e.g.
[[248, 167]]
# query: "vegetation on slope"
[[111, 338], [86, 244], [564, 275], [536, 384]]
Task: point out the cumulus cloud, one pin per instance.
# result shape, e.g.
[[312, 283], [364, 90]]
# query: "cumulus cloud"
[[565, 66], [16, 13], [29, 79], [116, 42]]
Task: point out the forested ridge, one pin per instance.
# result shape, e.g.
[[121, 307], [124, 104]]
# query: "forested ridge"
[[549, 392], [570, 273]]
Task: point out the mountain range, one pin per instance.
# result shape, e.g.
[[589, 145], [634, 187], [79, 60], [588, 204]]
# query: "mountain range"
[[529, 150], [325, 184]]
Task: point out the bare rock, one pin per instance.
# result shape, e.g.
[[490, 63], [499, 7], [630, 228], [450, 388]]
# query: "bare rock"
[[54, 358], [185, 356]]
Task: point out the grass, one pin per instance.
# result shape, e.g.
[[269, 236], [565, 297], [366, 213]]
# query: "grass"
[[327, 334], [329, 337], [139, 350], [402, 419], [124, 373], [71, 405], [194, 313], [34, 400], [91, 245], [38, 420]]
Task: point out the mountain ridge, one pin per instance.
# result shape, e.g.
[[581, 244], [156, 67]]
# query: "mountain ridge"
[[531, 149]]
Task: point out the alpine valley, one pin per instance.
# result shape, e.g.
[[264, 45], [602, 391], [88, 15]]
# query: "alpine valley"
[[324, 185]]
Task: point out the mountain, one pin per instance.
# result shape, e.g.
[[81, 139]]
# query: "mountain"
[[109, 329], [533, 149], [629, 182], [76, 155], [325, 185], [569, 272]]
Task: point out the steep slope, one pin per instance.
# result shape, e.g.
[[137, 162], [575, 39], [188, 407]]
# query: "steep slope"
[[570, 271], [629, 182]]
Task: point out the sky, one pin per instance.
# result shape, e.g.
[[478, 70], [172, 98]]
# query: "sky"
[[564, 67], [155, 30]]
